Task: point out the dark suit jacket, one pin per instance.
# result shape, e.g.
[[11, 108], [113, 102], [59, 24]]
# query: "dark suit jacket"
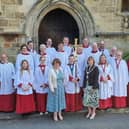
[[92, 78]]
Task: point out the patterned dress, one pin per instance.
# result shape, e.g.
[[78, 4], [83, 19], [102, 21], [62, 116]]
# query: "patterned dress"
[[91, 94], [56, 100], [91, 97]]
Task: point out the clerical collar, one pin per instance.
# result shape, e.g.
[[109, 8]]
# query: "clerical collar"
[[3, 62], [30, 50], [42, 65], [42, 54], [101, 49], [85, 46], [102, 63], [60, 50], [25, 53], [94, 51], [79, 53]]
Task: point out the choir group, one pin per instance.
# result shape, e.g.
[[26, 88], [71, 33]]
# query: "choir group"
[[53, 80]]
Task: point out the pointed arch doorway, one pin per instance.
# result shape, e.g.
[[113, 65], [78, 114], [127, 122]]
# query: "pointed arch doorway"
[[78, 19], [56, 25]]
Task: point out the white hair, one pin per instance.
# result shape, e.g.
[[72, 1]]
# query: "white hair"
[[42, 46]]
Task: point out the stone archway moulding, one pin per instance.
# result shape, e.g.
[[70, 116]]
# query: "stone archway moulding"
[[76, 9]]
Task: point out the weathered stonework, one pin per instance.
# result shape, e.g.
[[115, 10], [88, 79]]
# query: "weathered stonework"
[[12, 2], [98, 19]]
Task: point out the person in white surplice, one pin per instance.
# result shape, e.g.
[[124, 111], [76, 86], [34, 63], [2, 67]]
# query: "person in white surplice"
[[62, 55], [50, 51], [95, 53], [81, 61], [24, 85], [41, 85], [7, 74], [72, 87], [106, 80], [24, 55], [121, 77], [112, 56], [67, 47], [30, 47], [86, 47], [103, 50], [42, 52]]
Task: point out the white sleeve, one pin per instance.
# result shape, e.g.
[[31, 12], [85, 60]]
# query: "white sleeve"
[[50, 81]]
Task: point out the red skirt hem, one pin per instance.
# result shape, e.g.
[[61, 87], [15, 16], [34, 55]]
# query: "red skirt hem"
[[104, 104], [7, 103], [73, 102], [25, 104], [119, 102], [41, 101]]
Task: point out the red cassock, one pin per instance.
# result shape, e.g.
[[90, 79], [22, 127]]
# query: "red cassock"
[[73, 102], [25, 104], [105, 88], [7, 103], [7, 95], [104, 104], [41, 102], [119, 102], [73, 92], [24, 98], [120, 84]]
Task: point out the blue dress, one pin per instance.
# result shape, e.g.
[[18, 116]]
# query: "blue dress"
[[56, 100]]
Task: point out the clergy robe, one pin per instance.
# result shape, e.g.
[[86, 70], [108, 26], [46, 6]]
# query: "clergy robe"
[[87, 50], [63, 57], [111, 60], [73, 96], [105, 88], [81, 61], [24, 99], [68, 49], [41, 77], [7, 95], [51, 52], [27, 57], [120, 71], [34, 55]]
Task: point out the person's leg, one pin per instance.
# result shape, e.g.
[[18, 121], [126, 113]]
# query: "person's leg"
[[60, 115], [55, 116], [93, 113], [89, 112]]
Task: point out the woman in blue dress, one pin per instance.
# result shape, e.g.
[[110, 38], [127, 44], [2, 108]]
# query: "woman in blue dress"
[[56, 93]]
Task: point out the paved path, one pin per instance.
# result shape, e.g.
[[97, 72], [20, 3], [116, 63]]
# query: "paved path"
[[71, 121]]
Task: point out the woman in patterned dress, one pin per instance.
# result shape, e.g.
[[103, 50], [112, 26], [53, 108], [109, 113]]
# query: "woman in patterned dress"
[[90, 85]]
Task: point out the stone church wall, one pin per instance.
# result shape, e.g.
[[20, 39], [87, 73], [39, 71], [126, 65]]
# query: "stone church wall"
[[110, 23]]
